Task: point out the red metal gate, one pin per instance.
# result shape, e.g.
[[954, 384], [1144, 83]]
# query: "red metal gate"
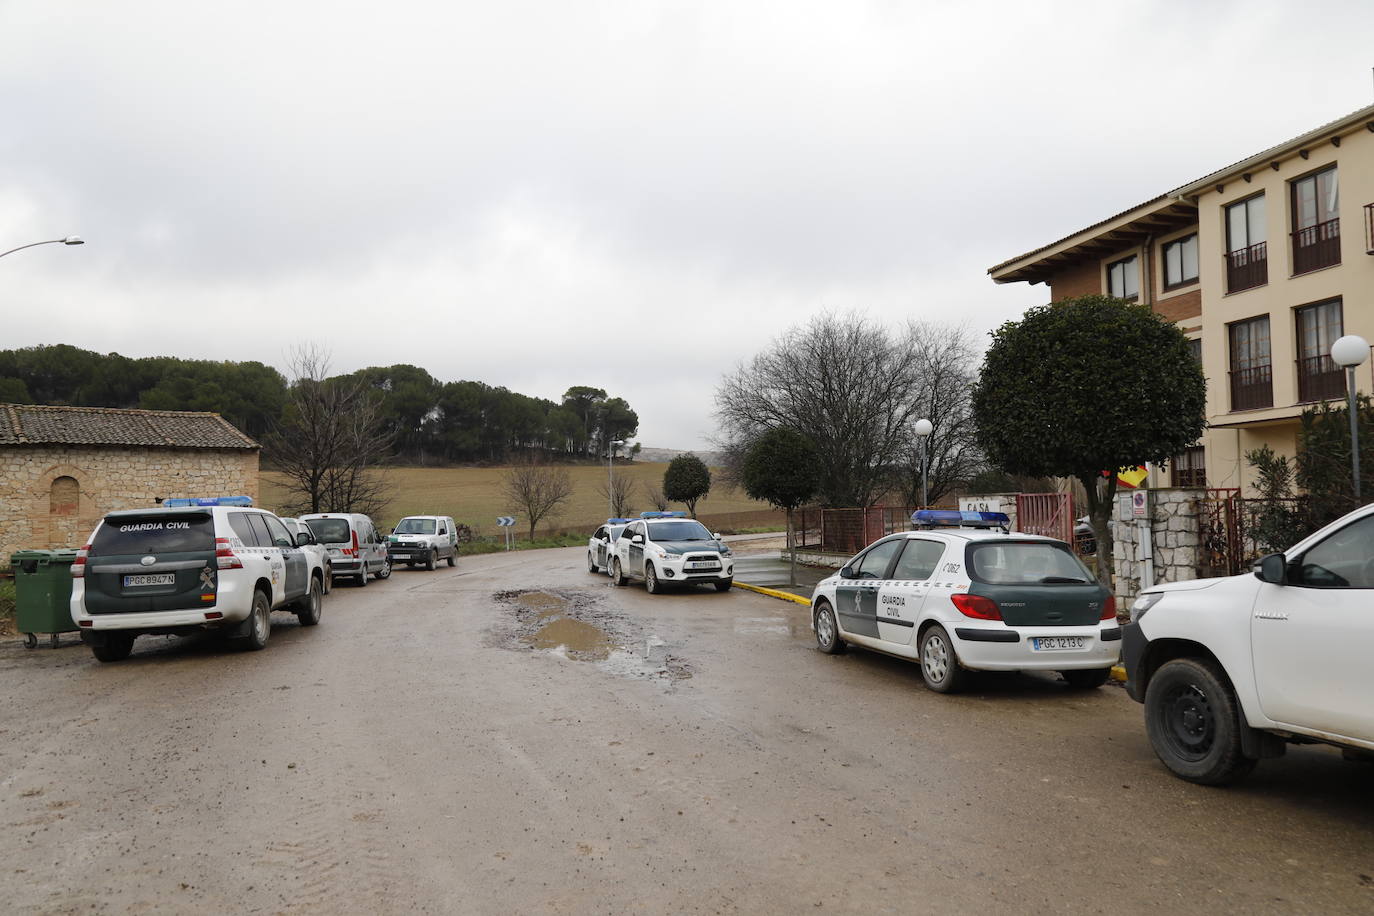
[[1049, 514]]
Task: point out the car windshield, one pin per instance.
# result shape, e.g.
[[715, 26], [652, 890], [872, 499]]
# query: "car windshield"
[[415, 526], [182, 533], [330, 530], [1026, 563], [613, 532], [679, 531]]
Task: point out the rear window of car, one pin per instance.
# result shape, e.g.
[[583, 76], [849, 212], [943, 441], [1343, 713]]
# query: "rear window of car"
[[330, 530], [1026, 563], [182, 533], [415, 526]]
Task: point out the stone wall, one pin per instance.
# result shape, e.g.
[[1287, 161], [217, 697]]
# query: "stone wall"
[[53, 496], [1174, 521]]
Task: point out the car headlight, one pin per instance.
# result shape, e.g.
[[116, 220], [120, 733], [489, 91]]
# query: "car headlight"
[[662, 554], [1143, 603], [725, 552]]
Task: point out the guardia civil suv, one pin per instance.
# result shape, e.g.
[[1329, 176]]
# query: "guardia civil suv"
[[667, 548], [960, 594], [191, 565]]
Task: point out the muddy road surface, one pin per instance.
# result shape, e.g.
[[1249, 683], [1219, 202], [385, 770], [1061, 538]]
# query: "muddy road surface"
[[518, 736]]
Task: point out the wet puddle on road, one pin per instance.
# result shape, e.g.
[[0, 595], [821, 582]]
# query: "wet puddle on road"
[[573, 638]]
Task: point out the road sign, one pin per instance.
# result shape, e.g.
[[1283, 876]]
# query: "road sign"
[[505, 521], [1139, 505]]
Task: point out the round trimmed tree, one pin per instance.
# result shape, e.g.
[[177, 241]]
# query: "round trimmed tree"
[[781, 468], [686, 481], [1082, 387]]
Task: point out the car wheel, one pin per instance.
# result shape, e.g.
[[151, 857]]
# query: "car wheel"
[[1086, 678], [385, 571], [431, 561], [312, 605], [1193, 721], [591, 564], [828, 631], [259, 622], [724, 585], [618, 574], [115, 648], [651, 583], [940, 663], [328, 579], [452, 560]]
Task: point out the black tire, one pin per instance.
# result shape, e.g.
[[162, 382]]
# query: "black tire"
[[385, 571], [362, 574], [618, 574], [828, 630], [410, 563], [1086, 678], [452, 560], [328, 579], [115, 648], [651, 583], [310, 608], [431, 561], [1193, 721], [591, 563], [940, 663], [724, 585], [259, 622], [30, 640]]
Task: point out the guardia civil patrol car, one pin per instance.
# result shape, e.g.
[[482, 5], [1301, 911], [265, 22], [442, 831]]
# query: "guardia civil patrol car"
[[665, 548], [602, 542], [188, 565], [959, 593]]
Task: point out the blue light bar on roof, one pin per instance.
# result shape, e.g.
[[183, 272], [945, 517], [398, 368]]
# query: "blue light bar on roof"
[[180, 502], [953, 518], [663, 515], [619, 521]]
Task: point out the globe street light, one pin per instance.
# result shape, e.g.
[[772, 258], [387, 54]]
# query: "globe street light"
[[1350, 351], [923, 430], [69, 240]]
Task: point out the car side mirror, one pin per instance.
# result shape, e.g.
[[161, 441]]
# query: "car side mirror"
[[303, 538], [717, 536], [1272, 569], [846, 572], [637, 539]]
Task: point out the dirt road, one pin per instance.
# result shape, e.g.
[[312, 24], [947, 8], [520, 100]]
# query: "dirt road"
[[493, 739]]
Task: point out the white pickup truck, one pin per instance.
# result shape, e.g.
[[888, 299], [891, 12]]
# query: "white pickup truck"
[[1233, 670]]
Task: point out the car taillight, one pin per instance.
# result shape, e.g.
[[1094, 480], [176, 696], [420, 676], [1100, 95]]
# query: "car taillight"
[[1109, 608], [225, 557], [352, 551], [977, 606], [79, 564]]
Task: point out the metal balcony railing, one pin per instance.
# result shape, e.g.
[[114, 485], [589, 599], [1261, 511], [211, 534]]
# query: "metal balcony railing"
[[1317, 246], [1320, 379], [1252, 388], [1247, 267]]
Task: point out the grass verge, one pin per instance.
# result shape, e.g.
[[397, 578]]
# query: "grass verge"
[[496, 545]]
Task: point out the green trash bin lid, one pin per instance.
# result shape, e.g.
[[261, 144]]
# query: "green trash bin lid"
[[42, 557]]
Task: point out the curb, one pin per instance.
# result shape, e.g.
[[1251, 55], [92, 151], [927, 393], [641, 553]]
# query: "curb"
[[774, 593], [1119, 673]]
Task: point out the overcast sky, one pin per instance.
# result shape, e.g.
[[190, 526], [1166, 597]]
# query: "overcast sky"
[[632, 195]]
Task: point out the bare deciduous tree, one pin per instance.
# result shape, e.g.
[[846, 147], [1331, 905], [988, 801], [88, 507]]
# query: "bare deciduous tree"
[[536, 489], [853, 386], [947, 365], [616, 491], [655, 497], [330, 440]]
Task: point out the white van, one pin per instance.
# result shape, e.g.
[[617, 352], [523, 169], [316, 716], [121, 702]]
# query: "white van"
[[424, 539], [355, 547]]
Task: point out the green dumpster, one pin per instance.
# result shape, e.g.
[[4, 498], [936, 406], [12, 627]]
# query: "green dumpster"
[[43, 593]]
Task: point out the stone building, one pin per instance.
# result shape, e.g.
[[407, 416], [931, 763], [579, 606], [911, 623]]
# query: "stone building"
[[63, 468]]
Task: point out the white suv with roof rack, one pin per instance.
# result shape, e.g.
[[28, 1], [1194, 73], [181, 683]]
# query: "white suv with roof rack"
[[190, 565], [665, 548], [960, 593]]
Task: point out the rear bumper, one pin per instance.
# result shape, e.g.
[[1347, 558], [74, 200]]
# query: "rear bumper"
[[232, 603], [1000, 648]]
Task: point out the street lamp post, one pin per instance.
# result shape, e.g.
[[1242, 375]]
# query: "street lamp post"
[[923, 430], [1349, 352], [69, 240]]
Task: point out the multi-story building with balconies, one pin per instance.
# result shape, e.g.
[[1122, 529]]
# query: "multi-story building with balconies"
[[1263, 264]]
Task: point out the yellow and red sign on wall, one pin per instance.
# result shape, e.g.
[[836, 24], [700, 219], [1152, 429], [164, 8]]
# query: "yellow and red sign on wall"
[[1130, 478]]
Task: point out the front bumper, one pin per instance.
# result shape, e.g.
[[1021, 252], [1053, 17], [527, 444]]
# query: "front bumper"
[[675, 569], [1133, 646]]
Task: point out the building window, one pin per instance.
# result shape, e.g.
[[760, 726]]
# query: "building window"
[[1247, 251], [1195, 348], [1316, 222], [1189, 468], [1123, 279], [1180, 261], [1252, 377], [1319, 378], [64, 496]]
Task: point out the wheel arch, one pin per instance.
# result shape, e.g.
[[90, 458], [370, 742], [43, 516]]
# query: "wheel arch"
[[264, 586]]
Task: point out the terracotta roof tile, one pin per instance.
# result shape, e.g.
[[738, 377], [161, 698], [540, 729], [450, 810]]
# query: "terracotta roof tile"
[[30, 424]]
